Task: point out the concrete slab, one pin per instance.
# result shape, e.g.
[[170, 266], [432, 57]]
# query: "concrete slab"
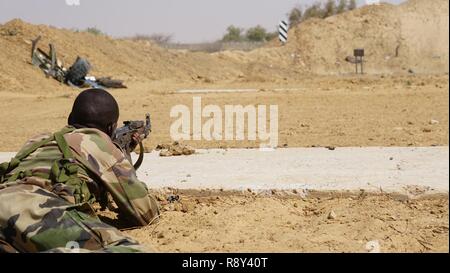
[[249, 90], [197, 91], [390, 169]]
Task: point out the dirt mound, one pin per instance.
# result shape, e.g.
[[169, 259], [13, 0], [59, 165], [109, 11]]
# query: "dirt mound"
[[409, 37], [125, 59], [174, 149], [412, 37]]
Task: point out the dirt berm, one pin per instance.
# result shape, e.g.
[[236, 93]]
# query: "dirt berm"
[[411, 37]]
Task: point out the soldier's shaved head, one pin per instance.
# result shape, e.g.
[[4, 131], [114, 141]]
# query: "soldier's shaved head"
[[95, 108]]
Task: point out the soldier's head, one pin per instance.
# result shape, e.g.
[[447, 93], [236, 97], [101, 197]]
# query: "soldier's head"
[[95, 108]]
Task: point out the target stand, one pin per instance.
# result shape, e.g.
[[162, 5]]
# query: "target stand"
[[359, 60]]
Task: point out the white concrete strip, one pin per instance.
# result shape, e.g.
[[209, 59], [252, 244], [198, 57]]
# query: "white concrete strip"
[[195, 91], [391, 169], [202, 91]]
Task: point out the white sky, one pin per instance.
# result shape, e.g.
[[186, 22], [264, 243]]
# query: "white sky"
[[186, 20]]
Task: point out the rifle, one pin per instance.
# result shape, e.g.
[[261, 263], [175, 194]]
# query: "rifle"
[[123, 137]]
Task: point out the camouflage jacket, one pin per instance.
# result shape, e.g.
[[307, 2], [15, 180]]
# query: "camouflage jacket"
[[105, 168]]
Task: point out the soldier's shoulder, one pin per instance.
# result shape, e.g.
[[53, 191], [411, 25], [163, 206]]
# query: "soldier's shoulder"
[[93, 142], [91, 134]]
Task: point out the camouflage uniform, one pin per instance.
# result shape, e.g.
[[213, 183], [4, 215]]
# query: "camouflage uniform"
[[46, 196]]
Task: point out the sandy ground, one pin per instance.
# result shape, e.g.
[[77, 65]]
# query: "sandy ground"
[[323, 111], [393, 106], [265, 224]]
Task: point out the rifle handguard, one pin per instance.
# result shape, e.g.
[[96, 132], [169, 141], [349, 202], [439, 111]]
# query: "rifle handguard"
[[123, 137]]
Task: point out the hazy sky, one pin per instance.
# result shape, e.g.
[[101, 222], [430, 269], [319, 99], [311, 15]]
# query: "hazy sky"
[[186, 20]]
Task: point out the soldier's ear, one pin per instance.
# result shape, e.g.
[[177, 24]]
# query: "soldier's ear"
[[111, 128]]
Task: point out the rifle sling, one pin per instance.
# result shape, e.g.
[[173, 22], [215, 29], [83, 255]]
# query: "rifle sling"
[[141, 156]]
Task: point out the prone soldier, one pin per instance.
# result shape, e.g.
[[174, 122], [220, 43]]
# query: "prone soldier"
[[47, 190]]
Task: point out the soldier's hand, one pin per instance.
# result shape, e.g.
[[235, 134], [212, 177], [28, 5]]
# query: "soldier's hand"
[[136, 138]]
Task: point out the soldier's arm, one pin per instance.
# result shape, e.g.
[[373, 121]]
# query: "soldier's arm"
[[130, 194], [116, 173]]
